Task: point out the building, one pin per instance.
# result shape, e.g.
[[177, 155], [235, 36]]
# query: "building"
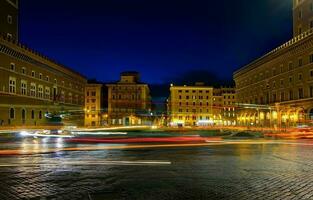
[[191, 105], [34, 90], [277, 89], [129, 101], [96, 105], [224, 106], [9, 19], [302, 16]]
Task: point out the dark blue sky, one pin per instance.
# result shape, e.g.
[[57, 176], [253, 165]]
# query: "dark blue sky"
[[162, 39]]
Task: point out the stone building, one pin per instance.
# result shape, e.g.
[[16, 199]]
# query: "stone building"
[[129, 101], [96, 104], [277, 89], [191, 105], [33, 88]]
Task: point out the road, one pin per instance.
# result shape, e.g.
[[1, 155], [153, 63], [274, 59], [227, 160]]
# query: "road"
[[227, 169]]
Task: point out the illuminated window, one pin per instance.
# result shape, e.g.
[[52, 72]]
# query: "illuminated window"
[[47, 93], [33, 89], [12, 85], [40, 91], [23, 87]]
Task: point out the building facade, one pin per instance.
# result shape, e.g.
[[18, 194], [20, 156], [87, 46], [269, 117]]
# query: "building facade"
[[95, 105], [9, 19], [33, 88], [277, 89], [224, 106], [129, 101], [190, 105], [302, 16]]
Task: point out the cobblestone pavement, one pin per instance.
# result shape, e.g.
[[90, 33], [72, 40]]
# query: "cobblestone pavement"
[[239, 171]]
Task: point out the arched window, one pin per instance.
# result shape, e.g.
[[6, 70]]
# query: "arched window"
[[12, 113], [33, 114], [40, 115], [23, 114]]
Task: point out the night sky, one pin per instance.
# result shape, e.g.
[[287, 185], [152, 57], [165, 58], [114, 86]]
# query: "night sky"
[[165, 40]]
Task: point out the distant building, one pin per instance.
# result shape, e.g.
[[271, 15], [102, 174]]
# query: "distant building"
[[9, 19], [191, 105], [276, 90], [129, 101], [96, 105], [224, 106], [34, 90]]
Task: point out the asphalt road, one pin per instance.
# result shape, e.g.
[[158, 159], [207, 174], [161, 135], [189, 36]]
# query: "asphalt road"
[[233, 169]]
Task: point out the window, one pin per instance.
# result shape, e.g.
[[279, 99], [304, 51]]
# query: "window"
[[300, 14], [12, 113], [300, 62], [290, 66], [23, 87], [47, 78], [40, 115], [55, 81], [23, 70], [33, 73], [290, 95], [9, 36], [274, 71], [40, 91], [311, 91], [40, 76], [70, 98], [311, 73], [94, 94], [10, 19], [300, 77], [311, 24], [33, 114], [47, 93], [274, 97], [290, 79], [33, 89], [282, 96], [282, 83], [23, 114], [12, 85], [180, 91], [12, 67], [300, 93]]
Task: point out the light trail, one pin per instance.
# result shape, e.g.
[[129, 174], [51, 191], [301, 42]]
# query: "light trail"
[[125, 147], [87, 163], [99, 133]]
